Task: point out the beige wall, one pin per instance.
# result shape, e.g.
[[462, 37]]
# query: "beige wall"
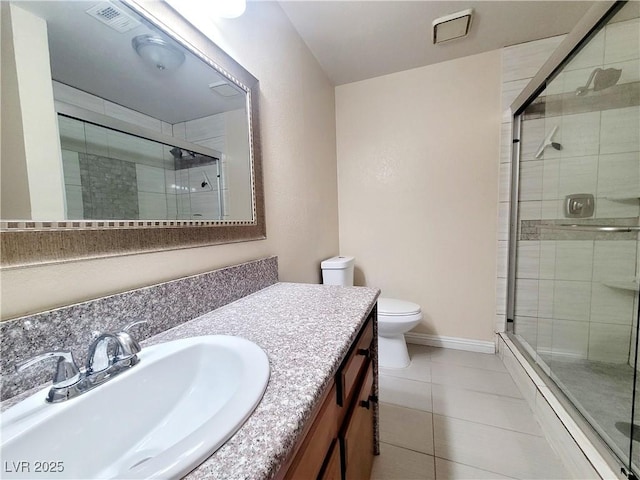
[[298, 145], [26, 58], [418, 189], [14, 189]]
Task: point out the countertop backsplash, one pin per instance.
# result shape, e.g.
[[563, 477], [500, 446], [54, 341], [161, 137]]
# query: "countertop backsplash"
[[163, 306]]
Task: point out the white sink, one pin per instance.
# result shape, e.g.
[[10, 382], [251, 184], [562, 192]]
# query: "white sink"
[[159, 419]]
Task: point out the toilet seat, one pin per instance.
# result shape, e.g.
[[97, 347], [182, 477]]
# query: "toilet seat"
[[392, 307]]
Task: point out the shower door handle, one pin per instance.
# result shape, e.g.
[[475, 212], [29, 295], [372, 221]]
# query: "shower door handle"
[[592, 228]]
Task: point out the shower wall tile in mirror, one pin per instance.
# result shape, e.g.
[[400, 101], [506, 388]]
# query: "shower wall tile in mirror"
[[113, 175], [147, 129]]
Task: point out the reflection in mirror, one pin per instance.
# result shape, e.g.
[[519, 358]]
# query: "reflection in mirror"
[[143, 129], [131, 178], [142, 92]]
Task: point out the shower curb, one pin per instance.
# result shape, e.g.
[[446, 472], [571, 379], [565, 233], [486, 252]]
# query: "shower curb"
[[581, 456]]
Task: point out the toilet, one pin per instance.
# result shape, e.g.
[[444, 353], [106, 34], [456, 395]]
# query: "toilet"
[[395, 317]]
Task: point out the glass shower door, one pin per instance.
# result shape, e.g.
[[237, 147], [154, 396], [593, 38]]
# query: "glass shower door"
[[576, 276]]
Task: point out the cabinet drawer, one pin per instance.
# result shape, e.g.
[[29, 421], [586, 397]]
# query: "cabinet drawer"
[[309, 459], [356, 441], [357, 359]]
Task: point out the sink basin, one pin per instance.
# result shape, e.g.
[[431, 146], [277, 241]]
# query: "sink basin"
[[159, 419]]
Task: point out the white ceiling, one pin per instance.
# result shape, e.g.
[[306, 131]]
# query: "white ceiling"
[[94, 58], [352, 40], [356, 40]]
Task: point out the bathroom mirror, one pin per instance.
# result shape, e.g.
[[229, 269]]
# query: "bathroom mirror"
[[124, 129]]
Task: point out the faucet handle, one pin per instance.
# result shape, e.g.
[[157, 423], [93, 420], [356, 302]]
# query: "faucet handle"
[[130, 345], [67, 372]]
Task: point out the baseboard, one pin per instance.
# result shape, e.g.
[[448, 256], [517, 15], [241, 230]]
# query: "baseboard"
[[481, 346]]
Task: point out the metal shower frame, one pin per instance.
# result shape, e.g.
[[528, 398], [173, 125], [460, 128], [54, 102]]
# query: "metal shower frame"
[[588, 26]]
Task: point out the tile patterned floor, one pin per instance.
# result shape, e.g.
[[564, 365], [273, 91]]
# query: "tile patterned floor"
[[458, 415]]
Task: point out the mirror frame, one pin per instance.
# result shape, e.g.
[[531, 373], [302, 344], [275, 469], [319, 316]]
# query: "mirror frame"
[[25, 243]]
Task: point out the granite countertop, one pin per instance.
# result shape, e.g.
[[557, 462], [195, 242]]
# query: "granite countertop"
[[306, 331]]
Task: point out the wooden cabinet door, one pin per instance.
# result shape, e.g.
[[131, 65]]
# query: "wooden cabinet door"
[[357, 439], [333, 468], [311, 456]]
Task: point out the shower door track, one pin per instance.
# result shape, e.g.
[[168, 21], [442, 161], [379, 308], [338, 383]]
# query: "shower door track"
[[111, 123]]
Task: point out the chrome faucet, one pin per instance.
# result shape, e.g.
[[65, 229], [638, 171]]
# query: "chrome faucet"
[[109, 355]]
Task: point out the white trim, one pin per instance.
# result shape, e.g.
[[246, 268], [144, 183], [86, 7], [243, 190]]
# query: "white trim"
[[470, 345]]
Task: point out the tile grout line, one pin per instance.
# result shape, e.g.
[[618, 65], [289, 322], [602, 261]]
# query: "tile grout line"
[[433, 413], [430, 366], [492, 394], [408, 449], [438, 362], [476, 391], [474, 467], [489, 425], [433, 426]]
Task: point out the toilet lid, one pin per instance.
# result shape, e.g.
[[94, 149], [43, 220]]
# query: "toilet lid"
[[391, 306]]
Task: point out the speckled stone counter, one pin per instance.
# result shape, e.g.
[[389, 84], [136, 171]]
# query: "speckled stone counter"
[[162, 306], [306, 331]]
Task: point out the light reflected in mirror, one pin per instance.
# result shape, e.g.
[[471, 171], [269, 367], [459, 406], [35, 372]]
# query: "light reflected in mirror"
[[143, 129]]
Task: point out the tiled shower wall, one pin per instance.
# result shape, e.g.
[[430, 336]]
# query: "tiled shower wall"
[[209, 132], [576, 297], [109, 189], [226, 133], [520, 63], [162, 191]]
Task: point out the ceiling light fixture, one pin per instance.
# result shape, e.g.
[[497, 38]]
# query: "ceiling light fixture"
[[157, 52], [452, 26]]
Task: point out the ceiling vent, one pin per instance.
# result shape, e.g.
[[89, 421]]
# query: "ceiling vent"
[[452, 26], [223, 88], [113, 17]]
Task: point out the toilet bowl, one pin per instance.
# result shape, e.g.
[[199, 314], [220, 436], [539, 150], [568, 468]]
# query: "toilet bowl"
[[395, 318]]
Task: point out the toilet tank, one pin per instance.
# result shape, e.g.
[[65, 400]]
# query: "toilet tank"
[[338, 271]]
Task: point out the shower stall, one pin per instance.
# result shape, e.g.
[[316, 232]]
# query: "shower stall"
[[574, 259]]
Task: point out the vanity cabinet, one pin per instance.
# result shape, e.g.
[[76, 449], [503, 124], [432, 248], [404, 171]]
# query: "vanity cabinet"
[[338, 441], [356, 441]]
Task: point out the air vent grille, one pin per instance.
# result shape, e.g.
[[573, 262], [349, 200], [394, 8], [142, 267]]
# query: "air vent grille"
[[113, 17], [223, 88], [108, 13]]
